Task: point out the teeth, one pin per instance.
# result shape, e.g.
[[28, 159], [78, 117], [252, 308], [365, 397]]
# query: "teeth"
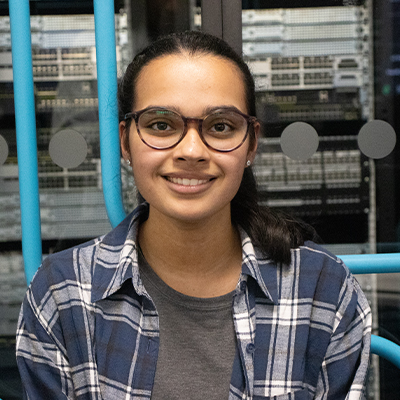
[[187, 182]]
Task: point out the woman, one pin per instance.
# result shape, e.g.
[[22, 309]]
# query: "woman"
[[199, 293]]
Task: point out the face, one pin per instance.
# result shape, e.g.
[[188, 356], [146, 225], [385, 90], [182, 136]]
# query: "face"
[[189, 182]]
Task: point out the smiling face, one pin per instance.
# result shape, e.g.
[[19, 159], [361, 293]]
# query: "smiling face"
[[189, 182]]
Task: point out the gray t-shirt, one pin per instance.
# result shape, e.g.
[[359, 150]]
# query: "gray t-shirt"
[[197, 342]]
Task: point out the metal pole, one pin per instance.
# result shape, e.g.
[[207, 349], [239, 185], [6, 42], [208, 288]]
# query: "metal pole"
[[108, 109], [386, 349], [372, 263], [25, 123]]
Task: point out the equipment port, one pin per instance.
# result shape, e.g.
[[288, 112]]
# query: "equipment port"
[[318, 62], [285, 80], [347, 63], [76, 53], [318, 78], [77, 69], [347, 80], [45, 70], [285, 63], [44, 54]]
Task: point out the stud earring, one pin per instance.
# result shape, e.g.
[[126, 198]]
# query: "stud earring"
[[128, 161], [248, 163]]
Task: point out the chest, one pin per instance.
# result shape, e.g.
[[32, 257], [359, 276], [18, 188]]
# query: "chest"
[[273, 345]]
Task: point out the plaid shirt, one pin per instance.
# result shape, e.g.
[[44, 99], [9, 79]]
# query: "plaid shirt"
[[89, 330]]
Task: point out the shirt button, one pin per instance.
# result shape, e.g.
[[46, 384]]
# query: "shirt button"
[[250, 348], [243, 286]]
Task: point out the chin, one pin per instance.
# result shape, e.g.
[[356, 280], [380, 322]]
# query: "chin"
[[190, 214]]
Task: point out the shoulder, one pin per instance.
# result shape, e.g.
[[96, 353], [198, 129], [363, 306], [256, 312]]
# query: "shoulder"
[[324, 275], [312, 256], [75, 267], [63, 270]]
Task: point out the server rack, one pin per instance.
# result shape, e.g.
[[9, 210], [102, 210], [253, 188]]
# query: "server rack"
[[64, 70], [71, 198], [311, 64]]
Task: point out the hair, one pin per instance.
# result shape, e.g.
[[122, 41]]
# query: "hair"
[[273, 232]]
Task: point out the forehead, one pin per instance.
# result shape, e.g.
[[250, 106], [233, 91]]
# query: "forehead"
[[189, 79]]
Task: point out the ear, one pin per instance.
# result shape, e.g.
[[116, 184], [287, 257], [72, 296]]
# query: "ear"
[[253, 147], [124, 140]]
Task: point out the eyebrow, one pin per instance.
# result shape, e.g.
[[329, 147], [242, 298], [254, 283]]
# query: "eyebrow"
[[206, 111]]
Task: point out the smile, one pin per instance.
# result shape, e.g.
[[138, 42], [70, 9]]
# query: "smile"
[[187, 182]]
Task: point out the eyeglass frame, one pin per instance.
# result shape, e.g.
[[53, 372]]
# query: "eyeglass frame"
[[136, 115]]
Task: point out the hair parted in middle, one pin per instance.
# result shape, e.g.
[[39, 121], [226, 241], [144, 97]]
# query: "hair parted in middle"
[[273, 232]]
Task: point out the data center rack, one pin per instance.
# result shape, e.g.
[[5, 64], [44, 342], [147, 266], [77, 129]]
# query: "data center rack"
[[71, 199], [65, 85], [315, 65]]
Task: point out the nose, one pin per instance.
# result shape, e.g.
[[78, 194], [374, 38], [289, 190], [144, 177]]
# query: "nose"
[[191, 148]]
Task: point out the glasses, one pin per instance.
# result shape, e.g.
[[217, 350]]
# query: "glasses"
[[223, 130]]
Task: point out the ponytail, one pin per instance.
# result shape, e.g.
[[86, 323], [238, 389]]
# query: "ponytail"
[[273, 232]]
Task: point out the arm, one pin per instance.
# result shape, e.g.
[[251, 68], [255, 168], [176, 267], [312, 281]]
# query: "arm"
[[41, 358], [345, 366]]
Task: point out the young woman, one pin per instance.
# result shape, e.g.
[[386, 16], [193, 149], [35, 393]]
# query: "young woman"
[[200, 293]]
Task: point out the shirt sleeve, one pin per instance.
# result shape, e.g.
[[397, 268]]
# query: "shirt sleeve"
[[345, 366], [41, 358]]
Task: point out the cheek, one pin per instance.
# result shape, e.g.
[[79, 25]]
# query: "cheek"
[[146, 164], [236, 162], [139, 160], [235, 171], [141, 166]]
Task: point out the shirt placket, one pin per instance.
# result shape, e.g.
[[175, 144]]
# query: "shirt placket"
[[244, 320]]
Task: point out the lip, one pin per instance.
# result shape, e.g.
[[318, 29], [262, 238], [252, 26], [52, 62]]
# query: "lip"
[[189, 183]]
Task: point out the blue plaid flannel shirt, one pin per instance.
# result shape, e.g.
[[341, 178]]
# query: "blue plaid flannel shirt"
[[89, 330]]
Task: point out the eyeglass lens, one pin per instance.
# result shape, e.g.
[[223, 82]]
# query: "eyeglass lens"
[[221, 130]]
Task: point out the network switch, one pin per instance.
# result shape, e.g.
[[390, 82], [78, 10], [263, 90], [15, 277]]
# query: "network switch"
[[333, 181], [64, 71], [303, 16], [309, 72]]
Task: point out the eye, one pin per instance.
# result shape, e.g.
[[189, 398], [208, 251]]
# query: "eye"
[[220, 127], [159, 123], [160, 126]]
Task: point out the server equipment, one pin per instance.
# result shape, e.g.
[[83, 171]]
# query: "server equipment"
[[65, 80], [314, 65]]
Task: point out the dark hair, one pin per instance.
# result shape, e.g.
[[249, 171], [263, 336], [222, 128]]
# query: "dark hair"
[[274, 233]]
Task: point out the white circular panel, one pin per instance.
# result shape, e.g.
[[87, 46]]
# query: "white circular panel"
[[299, 141], [3, 150], [377, 139], [68, 148]]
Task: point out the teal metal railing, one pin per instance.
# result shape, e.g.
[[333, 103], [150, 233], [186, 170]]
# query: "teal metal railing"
[[108, 109], [110, 153], [25, 122]]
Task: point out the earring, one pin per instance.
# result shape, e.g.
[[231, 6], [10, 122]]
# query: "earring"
[[248, 163], [128, 161]]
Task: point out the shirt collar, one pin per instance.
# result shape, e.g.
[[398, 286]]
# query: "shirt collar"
[[256, 265], [117, 261]]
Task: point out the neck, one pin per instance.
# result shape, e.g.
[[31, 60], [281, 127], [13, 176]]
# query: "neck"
[[201, 258]]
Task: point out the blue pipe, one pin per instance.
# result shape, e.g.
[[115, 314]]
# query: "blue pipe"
[[108, 109], [372, 263], [25, 123], [386, 349]]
